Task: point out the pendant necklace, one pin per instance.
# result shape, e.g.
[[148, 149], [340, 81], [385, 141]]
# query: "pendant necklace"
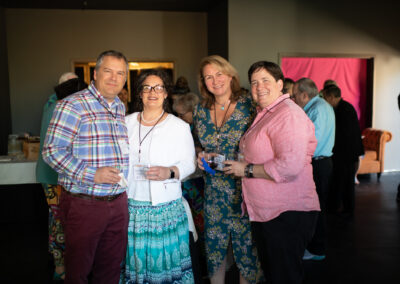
[[223, 105], [140, 126], [218, 129]]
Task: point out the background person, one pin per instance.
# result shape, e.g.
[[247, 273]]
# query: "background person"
[[193, 187], [327, 83], [124, 96], [288, 86], [278, 187], [67, 85], [321, 113], [348, 147], [184, 106], [181, 86], [219, 122], [87, 144], [161, 155]]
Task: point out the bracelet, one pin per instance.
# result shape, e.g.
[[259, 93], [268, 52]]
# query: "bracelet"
[[248, 171]]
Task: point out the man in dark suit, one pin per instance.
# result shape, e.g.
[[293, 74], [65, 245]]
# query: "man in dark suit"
[[348, 147]]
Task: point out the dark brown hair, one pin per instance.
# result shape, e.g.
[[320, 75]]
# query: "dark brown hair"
[[165, 78], [272, 68]]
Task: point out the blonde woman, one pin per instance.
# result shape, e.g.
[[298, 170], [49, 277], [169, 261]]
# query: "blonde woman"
[[219, 121]]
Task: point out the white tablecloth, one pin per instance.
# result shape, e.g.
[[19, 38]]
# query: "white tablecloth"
[[17, 172]]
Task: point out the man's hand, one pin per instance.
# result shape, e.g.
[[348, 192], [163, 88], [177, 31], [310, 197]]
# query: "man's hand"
[[107, 175]]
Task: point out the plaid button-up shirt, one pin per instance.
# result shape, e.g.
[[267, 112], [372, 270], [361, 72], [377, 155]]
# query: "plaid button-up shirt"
[[86, 133]]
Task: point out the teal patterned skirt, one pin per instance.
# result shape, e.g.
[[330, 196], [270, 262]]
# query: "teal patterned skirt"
[[158, 244]]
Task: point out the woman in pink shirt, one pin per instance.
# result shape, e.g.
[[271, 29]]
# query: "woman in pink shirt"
[[278, 188]]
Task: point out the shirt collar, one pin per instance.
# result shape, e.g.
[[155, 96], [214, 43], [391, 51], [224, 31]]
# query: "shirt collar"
[[271, 107], [310, 103], [101, 99]]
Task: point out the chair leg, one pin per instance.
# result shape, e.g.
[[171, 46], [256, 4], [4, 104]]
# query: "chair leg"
[[379, 175]]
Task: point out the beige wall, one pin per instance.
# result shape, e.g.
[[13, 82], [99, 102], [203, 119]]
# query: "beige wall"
[[261, 29], [43, 43]]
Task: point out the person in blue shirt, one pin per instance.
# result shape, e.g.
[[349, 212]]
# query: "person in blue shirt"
[[305, 94]]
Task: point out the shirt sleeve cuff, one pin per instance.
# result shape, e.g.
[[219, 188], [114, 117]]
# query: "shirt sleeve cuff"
[[270, 170], [88, 175]]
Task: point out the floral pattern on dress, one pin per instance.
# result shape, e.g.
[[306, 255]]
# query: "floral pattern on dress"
[[223, 193]]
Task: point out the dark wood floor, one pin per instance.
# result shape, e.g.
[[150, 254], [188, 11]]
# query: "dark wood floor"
[[363, 250], [367, 248]]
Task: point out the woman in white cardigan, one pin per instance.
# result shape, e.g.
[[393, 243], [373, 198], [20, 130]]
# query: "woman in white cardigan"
[[161, 155]]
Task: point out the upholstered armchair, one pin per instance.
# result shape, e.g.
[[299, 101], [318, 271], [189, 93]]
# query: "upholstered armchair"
[[374, 141]]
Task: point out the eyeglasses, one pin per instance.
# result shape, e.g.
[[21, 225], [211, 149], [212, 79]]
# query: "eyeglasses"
[[158, 89]]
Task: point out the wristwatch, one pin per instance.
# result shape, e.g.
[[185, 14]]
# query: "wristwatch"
[[248, 170], [172, 175]]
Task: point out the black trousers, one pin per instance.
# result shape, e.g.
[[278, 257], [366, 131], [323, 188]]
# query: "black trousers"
[[342, 192], [281, 243], [322, 171]]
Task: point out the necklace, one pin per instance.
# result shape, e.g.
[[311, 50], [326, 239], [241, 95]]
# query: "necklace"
[[222, 122], [150, 121], [223, 105], [140, 126]]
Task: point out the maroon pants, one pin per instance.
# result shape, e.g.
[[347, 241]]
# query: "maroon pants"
[[95, 238]]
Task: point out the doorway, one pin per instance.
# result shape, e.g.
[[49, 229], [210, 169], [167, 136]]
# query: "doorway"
[[354, 76]]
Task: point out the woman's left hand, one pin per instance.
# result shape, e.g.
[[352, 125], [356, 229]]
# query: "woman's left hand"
[[234, 167], [158, 173]]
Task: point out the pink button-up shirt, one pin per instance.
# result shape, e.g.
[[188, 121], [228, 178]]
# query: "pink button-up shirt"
[[282, 139]]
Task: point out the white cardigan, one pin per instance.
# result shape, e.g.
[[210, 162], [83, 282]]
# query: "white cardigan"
[[171, 145]]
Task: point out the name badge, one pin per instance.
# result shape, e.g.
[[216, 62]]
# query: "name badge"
[[139, 172], [123, 146]]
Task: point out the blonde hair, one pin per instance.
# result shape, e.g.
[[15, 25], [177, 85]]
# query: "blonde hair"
[[226, 68]]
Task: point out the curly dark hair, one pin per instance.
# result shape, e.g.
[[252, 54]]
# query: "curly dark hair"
[[164, 76]]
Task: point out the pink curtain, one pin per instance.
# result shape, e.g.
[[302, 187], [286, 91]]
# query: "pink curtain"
[[349, 73]]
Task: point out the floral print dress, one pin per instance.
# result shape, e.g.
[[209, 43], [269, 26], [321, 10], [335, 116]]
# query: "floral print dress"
[[223, 193]]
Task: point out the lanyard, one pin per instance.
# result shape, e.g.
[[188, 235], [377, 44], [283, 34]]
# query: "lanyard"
[[140, 126]]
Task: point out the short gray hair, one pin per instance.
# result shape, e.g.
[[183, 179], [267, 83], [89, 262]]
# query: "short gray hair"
[[308, 86], [111, 53], [188, 101]]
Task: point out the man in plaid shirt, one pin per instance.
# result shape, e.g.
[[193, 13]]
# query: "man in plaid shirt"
[[87, 144]]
